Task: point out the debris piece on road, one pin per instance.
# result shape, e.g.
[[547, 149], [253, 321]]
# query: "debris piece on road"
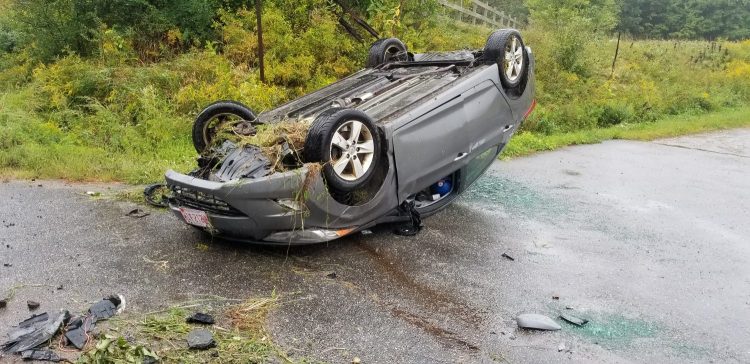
[[573, 320], [200, 339], [537, 322], [106, 308], [34, 331], [137, 213], [568, 307], [366, 232], [7, 265], [3, 303], [200, 318], [33, 305], [44, 355], [356, 360], [561, 347], [506, 256], [332, 275], [555, 296], [60, 287], [93, 193], [157, 195], [76, 331]]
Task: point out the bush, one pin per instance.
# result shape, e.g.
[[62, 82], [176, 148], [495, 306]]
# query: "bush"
[[122, 109]]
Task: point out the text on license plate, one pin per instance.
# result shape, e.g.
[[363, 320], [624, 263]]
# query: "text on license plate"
[[195, 217]]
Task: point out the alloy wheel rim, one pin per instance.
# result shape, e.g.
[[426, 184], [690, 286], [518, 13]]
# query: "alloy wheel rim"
[[352, 150], [513, 60]]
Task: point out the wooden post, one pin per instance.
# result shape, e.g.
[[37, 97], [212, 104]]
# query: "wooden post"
[[617, 52], [261, 49]]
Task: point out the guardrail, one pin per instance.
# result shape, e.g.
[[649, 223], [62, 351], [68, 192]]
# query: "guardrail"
[[475, 11]]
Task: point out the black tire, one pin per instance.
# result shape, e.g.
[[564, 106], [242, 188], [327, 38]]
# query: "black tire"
[[494, 52], [386, 50], [319, 147], [201, 134]]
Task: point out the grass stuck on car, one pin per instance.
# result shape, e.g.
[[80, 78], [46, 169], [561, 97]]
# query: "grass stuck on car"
[[392, 143]]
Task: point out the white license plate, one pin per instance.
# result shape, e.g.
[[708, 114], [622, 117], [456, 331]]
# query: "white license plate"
[[195, 217]]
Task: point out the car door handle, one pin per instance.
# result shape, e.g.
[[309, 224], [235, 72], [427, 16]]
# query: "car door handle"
[[460, 156]]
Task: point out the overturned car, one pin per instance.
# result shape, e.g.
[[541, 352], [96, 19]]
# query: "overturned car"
[[394, 142]]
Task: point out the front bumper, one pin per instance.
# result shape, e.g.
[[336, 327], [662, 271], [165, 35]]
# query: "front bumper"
[[261, 210]]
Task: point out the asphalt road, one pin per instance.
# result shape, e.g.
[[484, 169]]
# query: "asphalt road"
[[649, 241]]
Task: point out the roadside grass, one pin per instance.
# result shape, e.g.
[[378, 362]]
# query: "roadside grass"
[[239, 333], [526, 143]]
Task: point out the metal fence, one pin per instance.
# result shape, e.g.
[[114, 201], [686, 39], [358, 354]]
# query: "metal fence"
[[479, 12]]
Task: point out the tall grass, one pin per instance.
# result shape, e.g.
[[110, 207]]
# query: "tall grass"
[[112, 116]]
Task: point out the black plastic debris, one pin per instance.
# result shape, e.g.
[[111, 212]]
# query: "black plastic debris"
[[332, 275], [32, 305], [200, 318], [45, 355], [244, 162], [7, 265], [76, 333], [200, 339], [105, 308], [77, 330], [137, 213], [34, 331], [537, 322], [574, 320], [3, 303], [507, 256]]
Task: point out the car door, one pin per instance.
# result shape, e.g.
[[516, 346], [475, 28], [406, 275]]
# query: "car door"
[[488, 116], [431, 147]]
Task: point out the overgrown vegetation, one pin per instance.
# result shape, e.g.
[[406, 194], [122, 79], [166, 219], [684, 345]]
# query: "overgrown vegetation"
[[239, 334], [95, 90]]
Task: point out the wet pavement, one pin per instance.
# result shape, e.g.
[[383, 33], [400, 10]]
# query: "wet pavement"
[[650, 241]]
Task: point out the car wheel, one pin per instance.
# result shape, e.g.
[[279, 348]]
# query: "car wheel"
[[386, 50], [222, 115], [347, 142], [505, 48]]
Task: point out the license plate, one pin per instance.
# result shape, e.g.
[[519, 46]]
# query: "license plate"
[[195, 217]]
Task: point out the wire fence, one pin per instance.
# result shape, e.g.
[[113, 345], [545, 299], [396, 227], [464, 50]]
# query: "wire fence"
[[478, 12]]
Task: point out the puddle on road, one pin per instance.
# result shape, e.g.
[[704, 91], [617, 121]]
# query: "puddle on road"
[[496, 193]]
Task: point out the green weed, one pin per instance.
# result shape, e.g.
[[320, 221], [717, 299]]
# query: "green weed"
[[526, 143]]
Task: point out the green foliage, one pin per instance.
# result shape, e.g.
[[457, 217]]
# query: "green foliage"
[[113, 349], [686, 19], [526, 143], [570, 26], [114, 98]]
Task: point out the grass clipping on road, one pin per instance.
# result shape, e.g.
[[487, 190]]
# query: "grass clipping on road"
[[239, 333], [526, 143]]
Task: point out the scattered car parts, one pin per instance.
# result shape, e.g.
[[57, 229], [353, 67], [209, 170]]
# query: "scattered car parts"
[[537, 322]]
